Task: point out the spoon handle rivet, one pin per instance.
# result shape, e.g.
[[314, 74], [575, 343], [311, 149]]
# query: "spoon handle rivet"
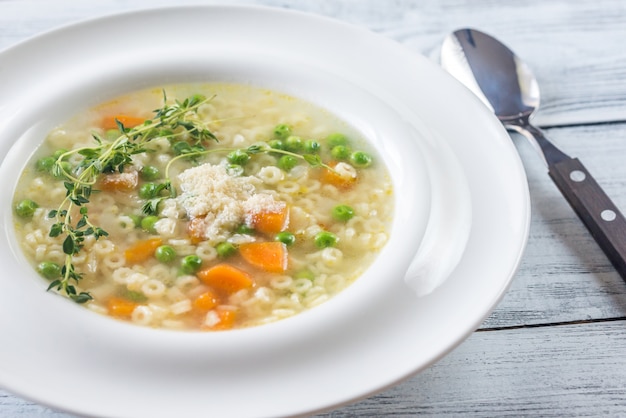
[[608, 215], [577, 176]]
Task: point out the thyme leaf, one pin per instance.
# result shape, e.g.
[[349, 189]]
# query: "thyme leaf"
[[151, 207]]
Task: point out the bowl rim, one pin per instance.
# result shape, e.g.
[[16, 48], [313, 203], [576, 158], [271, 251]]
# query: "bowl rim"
[[292, 338]]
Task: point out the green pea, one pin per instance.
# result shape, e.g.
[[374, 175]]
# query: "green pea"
[[239, 157], [286, 238], [335, 139], [234, 170], [311, 146], [165, 254], [325, 239], [225, 249], [343, 213], [361, 159], [49, 270], [147, 223], [26, 208], [282, 131], [181, 147], [45, 164], [244, 229], [57, 154], [276, 144], [150, 173], [136, 220], [190, 264], [293, 143], [340, 152], [148, 190], [287, 162], [66, 168]]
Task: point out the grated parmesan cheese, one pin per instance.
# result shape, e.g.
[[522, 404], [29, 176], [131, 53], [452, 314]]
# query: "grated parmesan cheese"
[[221, 200]]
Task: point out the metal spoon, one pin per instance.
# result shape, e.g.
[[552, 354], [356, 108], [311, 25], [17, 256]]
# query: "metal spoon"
[[501, 80]]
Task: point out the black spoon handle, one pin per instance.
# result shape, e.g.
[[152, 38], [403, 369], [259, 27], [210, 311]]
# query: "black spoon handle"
[[603, 219]]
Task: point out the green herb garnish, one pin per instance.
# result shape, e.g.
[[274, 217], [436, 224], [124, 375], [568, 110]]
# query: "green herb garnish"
[[171, 120], [179, 123]]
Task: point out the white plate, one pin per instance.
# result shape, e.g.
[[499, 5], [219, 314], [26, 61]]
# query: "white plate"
[[58, 360]]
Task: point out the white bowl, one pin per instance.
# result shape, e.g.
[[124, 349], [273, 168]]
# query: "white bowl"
[[394, 321]]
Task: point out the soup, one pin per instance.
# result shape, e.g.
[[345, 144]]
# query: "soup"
[[226, 207]]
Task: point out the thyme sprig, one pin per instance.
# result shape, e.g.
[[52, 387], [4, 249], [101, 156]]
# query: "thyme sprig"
[[151, 206], [170, 121], [313, 160], [178, 120]]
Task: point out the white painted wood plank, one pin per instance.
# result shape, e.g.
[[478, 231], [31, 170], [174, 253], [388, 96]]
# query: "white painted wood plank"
[[564, 276], [574, 370], [575, 49]]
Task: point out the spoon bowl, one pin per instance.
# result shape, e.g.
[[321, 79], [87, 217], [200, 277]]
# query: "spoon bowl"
[[508, 87], [496, 75]]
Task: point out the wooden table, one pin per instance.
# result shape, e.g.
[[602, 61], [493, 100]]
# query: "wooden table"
[[555, 345]]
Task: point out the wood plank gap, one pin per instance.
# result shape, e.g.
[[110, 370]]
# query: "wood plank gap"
[[553, 324], [578, 124]]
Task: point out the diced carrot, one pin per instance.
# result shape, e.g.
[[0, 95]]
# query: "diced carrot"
[[119, 307], [205, 301], [196, 230], [270, 221], [221, 319], [337, 179], [108, 122], [269, 256], [225, 278], [142, 250], [122, 182]]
